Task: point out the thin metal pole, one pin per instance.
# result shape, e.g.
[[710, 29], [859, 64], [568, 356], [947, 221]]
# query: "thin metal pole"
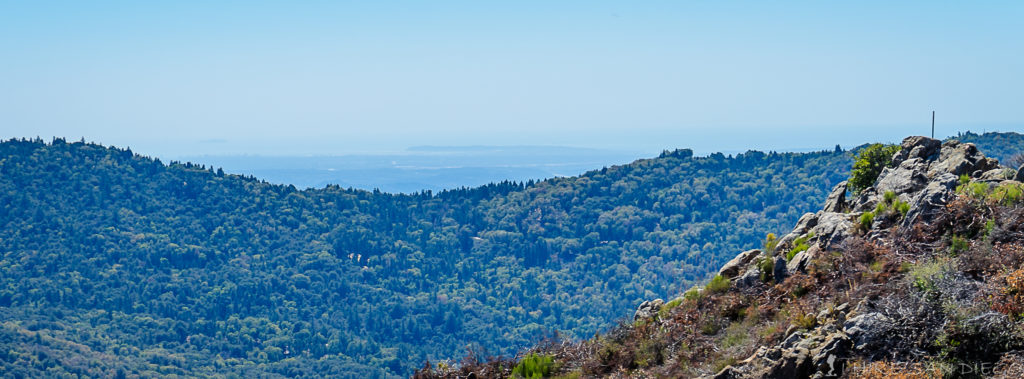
[[933, 124]]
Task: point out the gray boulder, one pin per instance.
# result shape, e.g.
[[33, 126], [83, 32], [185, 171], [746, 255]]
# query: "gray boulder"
[[908, 177], [780, 272], [868, 329], [735, 266], [997, 175], [801, 260], [795, 363], [749, 278], [917, 147], [1020, 174], [927, 203], [828, 357], [833, 228], [806, 222], [960, 159], [648, 309], [836, 201]]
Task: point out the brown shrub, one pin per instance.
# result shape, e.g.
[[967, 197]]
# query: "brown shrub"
[[1010, 299]]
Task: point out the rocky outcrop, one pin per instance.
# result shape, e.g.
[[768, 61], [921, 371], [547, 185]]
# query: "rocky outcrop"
[[928, 202], [817, 353], [802, 259], [749, 278], [804, 225], [733, 268], [920, 147], [780, 273], [921, 161], [997, 175], [648, 309], [960, 159], [868, 329], [1020, 174], [836, 201], [832, 228], [924, 174]]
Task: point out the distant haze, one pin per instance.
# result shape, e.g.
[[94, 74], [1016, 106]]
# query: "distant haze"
[[340, 78]]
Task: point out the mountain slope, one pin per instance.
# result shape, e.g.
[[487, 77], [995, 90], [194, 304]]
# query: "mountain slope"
[[116, 263], [182, 269], [919, 275]]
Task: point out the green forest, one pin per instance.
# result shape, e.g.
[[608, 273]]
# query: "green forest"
[[113, 264]]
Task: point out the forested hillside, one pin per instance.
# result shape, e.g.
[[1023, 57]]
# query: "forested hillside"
[[918, 274], [117, 264]]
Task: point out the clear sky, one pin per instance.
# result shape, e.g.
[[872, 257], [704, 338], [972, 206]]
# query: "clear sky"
[[337, 77]]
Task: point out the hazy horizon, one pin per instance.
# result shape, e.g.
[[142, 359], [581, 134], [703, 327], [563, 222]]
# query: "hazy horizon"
[[275, 78]]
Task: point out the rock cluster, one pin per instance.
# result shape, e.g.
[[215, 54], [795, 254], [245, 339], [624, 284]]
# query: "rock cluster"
[[925, 170], [648, 309], [819, 352], [924, 174]]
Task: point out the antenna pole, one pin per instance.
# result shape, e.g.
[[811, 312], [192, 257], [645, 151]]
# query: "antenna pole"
[[933, 124]]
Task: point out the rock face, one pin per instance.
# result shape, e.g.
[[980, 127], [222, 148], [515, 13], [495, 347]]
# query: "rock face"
[[749, 278], [801, 259], [917, 147], [997, 175], [804, 225], [928, 202], [732, 268], [921, 161], [780, 272], [832, 228], [867, 330], [836, 201], [648, 309]]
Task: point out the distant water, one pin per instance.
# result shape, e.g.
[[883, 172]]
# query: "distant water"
[[421, 168]]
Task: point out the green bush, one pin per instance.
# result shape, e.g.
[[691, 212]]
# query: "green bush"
[[881, 208], [866, 220], [1008, 193], [692, 294], [805, 321], [534, 366], [889, 196], [923, 275], [869, 164], [767, 267], [958, 245], [669, 306], [902, 207], [891, 203], [799, 244], [718, 284], [977, 190], [770, 243]]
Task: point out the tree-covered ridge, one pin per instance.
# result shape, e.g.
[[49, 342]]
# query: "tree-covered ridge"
[[184, 269]]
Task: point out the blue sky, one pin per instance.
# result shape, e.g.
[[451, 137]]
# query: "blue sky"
[[337, 77]]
